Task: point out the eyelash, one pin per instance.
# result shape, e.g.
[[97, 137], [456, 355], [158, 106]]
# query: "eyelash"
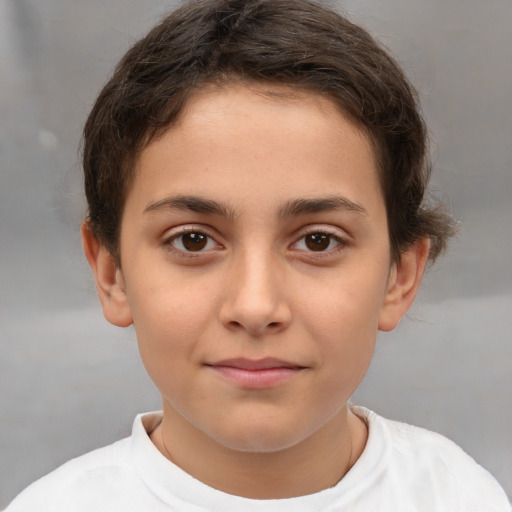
[[169, 242], [340, 242]]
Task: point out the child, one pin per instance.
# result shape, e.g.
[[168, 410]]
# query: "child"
[[255, 173]]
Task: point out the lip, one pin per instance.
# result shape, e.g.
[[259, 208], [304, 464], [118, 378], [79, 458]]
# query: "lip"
[[256, 373]]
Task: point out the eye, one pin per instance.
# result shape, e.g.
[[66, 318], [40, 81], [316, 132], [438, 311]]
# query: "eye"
[[318, 242], [192, 241]]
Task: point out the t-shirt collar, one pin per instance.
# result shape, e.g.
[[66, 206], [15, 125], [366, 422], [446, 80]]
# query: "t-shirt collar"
[[183, 492]]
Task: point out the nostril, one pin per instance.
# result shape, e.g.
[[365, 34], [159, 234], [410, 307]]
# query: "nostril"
[[235, 325]]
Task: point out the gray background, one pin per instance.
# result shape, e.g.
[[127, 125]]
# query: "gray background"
[[70, 382]]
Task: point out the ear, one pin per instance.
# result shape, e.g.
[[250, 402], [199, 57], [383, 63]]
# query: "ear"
[[109, 279], [403, 284]]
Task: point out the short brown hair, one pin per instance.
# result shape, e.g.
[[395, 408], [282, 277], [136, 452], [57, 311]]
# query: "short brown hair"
[[293, 42]]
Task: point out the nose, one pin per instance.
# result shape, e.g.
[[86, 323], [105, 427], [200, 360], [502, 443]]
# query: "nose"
[[255, 301]]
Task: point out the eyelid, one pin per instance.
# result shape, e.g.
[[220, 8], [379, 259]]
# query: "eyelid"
[[174, 233], [339, 234]]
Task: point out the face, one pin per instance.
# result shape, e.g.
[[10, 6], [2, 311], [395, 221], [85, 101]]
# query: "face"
[[255, 265]]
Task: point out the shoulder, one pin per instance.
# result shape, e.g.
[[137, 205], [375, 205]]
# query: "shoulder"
[[104, 479], [430, 464], [99, 468]]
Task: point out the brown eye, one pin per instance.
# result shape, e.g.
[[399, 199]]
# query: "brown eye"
[[324, 243], [192, 241], [317, 241]]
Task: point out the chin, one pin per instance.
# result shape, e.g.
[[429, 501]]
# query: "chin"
[[265, 438]]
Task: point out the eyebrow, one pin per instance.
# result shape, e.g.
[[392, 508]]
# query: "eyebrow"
[[320, 204], [191, 203], [292, 208]]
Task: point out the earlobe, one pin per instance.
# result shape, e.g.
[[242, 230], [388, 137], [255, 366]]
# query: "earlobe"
[[404, 282], [109, 279]]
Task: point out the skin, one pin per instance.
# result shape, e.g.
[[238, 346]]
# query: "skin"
[[240, 169]]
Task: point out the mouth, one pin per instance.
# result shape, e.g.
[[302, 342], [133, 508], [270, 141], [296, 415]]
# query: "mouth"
[[256, 373]]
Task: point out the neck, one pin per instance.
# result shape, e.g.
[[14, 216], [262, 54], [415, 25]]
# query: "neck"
[[316, 463]]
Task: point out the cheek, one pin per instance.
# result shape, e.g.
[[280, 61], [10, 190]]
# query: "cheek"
[[342, 318], [346, 307], [166, 301], [169, 318], [346, 352]]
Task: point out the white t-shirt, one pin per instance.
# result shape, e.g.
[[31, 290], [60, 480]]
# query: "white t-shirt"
[[402, 469]]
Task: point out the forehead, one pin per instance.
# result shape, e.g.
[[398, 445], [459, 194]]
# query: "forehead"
[[254, 105], [266, 142]]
